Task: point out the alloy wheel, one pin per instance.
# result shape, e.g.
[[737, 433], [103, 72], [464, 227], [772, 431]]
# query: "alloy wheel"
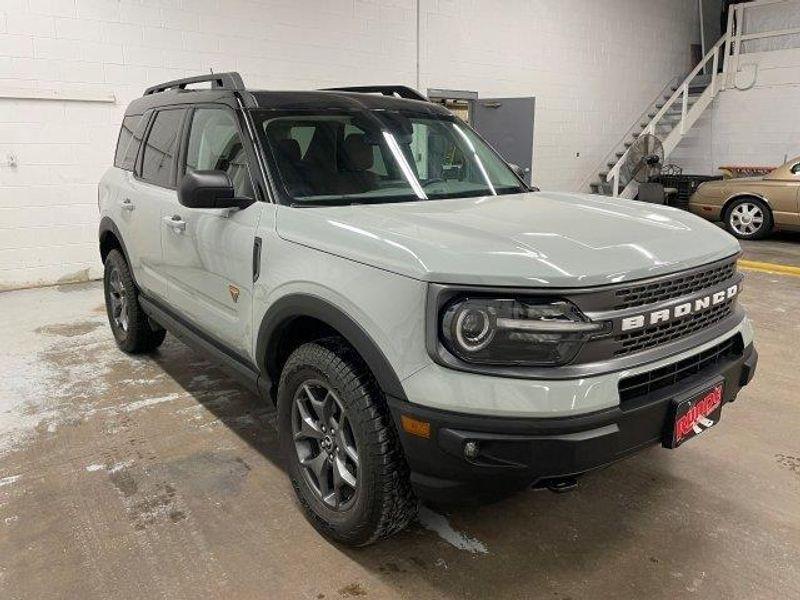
[[746, 218], [325, 444], [118, 298]]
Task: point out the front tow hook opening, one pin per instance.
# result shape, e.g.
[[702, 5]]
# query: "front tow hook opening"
[[558, 485]]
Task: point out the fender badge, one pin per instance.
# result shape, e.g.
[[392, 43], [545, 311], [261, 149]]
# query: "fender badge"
[[234, 292]]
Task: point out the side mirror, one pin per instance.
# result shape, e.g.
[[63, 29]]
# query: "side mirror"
[[209, 189], [522, 174], [518, 171]]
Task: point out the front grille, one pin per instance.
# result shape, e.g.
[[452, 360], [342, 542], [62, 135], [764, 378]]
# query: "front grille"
[[649, 337], [634, 387], [681, 285]]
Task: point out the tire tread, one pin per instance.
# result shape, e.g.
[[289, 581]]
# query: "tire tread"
[[397, 505], [140, 337]]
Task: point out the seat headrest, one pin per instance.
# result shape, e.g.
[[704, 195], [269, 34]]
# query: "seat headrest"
[[358, 152], [289, 149]]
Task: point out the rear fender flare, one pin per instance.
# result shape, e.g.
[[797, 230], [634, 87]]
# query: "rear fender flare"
[[107, 226]]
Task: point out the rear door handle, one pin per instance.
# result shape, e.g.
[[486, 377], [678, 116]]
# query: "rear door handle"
[[175, 223], [128, 204]]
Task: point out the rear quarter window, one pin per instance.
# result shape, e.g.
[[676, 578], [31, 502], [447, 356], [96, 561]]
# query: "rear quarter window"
[[130, 137]]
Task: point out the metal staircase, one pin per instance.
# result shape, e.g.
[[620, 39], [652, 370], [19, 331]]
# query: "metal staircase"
[[669, 118]]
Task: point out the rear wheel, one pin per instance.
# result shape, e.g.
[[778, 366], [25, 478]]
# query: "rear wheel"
[[748, 218], [129, 324], [341, 449]]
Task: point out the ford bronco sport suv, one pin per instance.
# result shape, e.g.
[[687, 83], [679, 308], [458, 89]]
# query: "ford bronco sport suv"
[[426, 324]]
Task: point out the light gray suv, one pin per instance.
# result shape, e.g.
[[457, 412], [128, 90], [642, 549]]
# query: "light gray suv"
[[427, 325]]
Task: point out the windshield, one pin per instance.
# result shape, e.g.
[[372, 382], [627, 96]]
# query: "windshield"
[[380, 156]]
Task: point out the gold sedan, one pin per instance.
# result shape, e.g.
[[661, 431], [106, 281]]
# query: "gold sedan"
[[751, 207]]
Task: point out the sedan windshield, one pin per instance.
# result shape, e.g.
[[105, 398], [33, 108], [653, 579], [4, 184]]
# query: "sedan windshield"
[[380, 156]]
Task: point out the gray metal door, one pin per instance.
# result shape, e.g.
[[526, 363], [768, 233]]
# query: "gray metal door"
[[507, 124]]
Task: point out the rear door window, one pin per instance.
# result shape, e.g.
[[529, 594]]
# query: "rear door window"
[[161, 147], [130, 137]]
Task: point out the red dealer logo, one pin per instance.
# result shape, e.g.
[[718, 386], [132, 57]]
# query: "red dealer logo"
[[698, 414]]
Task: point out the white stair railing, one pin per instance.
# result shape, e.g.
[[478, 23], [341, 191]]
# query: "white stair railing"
[[688, 115], [728, 50]]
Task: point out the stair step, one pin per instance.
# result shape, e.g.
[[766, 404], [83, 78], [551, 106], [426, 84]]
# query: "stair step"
[[700, 81], [692, 94]]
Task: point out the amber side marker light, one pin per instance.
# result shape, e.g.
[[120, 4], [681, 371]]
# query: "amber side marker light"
[[414, 427]]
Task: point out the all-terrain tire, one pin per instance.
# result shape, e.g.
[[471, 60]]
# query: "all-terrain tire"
[[383, 502], [129, 324]]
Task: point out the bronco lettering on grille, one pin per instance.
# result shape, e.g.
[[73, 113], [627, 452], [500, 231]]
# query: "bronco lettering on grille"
[[679, 310]]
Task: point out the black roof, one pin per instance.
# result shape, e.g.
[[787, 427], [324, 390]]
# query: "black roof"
[[328, 99], [225, 87]]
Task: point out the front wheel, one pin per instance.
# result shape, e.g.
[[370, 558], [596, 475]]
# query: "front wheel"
[[748, 219], [340, 447]]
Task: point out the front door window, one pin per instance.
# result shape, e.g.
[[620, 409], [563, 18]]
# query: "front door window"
[[215, 145]]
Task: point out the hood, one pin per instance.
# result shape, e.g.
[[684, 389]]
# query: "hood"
[[532, 239]]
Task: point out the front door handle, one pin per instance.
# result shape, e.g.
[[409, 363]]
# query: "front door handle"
[[175, 223], [128, 204]]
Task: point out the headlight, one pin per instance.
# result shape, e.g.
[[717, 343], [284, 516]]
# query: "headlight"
[[522, 332]]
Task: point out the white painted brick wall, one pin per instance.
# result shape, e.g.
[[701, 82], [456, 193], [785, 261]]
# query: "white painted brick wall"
[[759, 126], [593, 67]]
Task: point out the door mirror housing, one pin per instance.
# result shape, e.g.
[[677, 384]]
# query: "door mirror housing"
[[521, 174], [209, 189], [518, 171]]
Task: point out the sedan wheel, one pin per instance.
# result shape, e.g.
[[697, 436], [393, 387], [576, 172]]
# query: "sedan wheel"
[[746, 219]]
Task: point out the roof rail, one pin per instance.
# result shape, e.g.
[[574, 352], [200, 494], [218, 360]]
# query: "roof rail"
[[387, 90], [225, 81]]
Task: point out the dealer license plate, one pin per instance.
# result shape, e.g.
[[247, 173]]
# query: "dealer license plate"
[[695, 415]]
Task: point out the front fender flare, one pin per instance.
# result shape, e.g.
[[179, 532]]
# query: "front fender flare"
[[292, 306]]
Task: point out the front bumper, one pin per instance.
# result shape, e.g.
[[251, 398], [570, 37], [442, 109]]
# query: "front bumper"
[[517, 452]]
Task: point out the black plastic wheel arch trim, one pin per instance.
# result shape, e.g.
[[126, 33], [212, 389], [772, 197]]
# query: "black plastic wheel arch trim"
[[108, 227], [288, 308]]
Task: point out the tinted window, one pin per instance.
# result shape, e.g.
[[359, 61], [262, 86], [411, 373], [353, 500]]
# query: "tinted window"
[[128, 142], [386, 156], [161, 147], [215, 145], [796, 169]]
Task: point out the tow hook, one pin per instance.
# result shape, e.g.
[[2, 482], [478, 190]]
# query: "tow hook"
[[561, 485]]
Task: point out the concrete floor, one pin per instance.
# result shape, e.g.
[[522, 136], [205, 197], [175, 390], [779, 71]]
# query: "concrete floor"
[[157, 477], [782, 248]]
